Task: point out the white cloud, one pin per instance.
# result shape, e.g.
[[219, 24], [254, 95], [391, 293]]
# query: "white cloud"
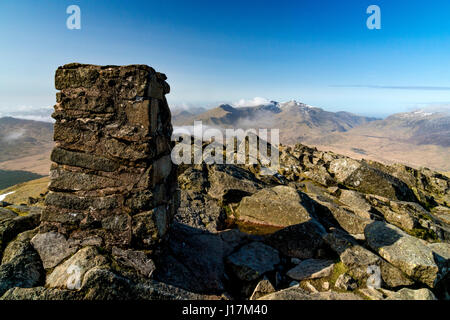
[[14, 135], [30, 113], [256, 101]]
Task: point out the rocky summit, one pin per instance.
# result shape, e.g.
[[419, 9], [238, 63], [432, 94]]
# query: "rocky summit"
[[121, 221]]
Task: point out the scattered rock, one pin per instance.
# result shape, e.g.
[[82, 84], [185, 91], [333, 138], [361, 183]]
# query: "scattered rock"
[[311, 269], [10, 228], [253, 260], [410, 294], [70, 274], [263, 288], [137, 260], [302, 241], [364, 265], [310, 287], [346, 283], [408, 253], [296, 293], [277, 207], [21, 266], [371, 294], [40, 293], [6, 214], [199, 211], [229, 183], [53, 248], [194, 260]]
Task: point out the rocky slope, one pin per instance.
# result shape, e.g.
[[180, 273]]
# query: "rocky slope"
[[25, 145], [326, 227], [418, 138], [296, 120]]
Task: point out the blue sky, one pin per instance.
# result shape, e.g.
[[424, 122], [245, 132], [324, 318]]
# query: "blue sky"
[[315, 51]]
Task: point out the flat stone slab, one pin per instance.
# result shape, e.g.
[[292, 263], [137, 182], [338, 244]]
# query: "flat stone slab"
[[311, 269], [280, 206], [52, 247]]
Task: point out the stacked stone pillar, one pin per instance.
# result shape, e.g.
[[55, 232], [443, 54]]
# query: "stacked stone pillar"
[[112, 180]]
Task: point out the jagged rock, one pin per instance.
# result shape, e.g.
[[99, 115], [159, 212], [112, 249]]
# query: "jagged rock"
[[279, 207], [407, 253], [263, 288], [333, 215], [194, 260], [229, 183], [405, 215], [311, 269], [370, 180], [310, 287], [441, 253], [253, 260], [199, 211], [137, 260], [21, 266], [53, 248], [40, 293], [410, 294], [296, 293], [193, 180], [301, 241], [103, 284], [345, 282], [70, 274], [100, 283], [342, 168], [371, 294], [153, 290], [10, 228], [320, 175], [442, 213], [354, 199], [6, 214], [360, 262], [18, 246]]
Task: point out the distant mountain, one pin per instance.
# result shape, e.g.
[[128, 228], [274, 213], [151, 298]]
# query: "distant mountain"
[[419, 127], [180, 115], [419, 138], [296, 120], [25, 139]]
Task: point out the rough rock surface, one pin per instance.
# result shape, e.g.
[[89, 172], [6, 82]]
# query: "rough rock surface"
[[21, 266], [409, 254], [278, 207], [253, 260], [311, 269], [300, 294], [111, 176], [264, 287]]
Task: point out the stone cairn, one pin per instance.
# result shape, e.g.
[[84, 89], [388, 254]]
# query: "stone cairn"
[[113, 184]]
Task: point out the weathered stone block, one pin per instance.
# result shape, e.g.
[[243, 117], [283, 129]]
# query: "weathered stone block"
[[112, 178]]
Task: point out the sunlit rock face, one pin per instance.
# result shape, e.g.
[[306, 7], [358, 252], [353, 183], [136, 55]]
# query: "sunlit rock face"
[[112, 180]]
